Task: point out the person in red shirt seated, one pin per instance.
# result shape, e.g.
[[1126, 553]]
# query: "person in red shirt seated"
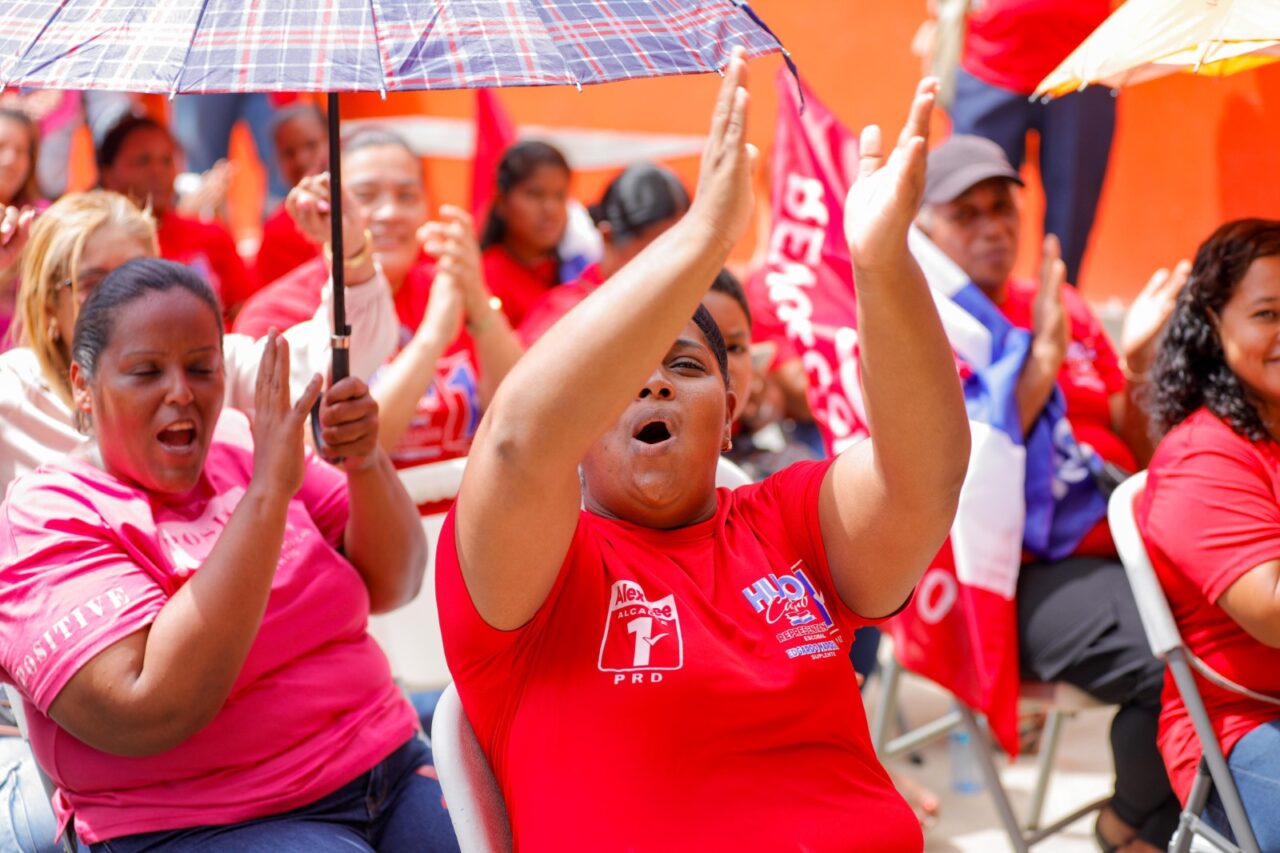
[[302, 149], [1210, 513], [971, 212], [454, 346], [526, 222], [1009, 46], [643, 201], [644, 657], [137, 158]]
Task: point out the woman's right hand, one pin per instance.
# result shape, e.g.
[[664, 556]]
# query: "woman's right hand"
[[724, 198], [15, 228], [278, 425]]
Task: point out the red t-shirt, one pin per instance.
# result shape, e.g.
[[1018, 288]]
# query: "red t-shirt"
[[685, 688], [208, 248], [555, 303], [286, 302], [1014, 44], [1090, 374], [1209, 514], [283, 248], [517, 285]]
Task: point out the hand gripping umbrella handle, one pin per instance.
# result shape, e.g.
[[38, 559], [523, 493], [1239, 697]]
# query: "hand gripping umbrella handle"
[[341, 345]]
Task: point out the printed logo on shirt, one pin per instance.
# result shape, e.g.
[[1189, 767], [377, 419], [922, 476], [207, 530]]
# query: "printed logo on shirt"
[[641, 637], [791, 603], [88, 614], [188, 542]]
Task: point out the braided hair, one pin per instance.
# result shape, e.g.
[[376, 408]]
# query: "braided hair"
[[1191, 368]]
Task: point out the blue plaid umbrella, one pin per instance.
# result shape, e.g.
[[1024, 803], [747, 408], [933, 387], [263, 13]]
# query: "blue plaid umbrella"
[[189, 46]]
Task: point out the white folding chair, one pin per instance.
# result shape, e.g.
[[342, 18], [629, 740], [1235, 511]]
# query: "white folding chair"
[[730, 476], [11, 695], [471, 792], [1058, 699], [1166, 644]]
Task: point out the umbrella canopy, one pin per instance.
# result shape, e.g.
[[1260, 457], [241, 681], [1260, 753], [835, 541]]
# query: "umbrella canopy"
[[188, 46], [1146, 39]]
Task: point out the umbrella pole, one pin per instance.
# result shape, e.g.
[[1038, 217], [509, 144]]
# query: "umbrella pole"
[[341, 331]]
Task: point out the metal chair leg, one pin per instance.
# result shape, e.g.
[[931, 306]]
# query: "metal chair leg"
[[986, 762], [886, 708], [1044, 766]]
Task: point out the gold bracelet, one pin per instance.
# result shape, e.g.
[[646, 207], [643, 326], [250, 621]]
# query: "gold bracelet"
[[476, 329], [357, 260]]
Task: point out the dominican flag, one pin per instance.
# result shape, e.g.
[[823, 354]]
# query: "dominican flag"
[[1035, 494]]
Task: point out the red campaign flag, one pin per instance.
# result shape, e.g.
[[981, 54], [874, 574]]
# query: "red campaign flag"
[[495, 132], [959, 631]]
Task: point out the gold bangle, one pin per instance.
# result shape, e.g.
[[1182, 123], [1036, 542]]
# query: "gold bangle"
[[476, 328], [357, 260]]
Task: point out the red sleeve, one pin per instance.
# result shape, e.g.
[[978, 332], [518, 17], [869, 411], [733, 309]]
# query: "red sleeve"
[[1210, 506], [237, 285]]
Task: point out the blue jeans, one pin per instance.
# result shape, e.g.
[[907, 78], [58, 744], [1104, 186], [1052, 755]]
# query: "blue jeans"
[[391, 808], [1075, 144], [26, 817], [1255, 765], [203, 123]]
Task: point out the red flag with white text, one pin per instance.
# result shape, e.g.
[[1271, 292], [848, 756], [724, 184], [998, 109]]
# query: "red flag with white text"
[[960, 628]]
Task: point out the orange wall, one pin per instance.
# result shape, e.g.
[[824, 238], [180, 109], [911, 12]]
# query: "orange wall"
[[1189, 152]]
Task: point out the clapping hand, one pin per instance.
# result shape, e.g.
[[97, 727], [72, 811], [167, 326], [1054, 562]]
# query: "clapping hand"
[[1149, 312], [1048, 313], [451, 240], [724, 197], [309, 205], [278, 445], [15, 228], [886, 196]]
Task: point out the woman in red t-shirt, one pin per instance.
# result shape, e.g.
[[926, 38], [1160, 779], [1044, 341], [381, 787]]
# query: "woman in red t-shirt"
[[1211, 515], [526, 223], [658, 663]]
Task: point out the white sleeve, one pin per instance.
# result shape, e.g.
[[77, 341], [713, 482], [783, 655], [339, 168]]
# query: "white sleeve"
[[375, 331]]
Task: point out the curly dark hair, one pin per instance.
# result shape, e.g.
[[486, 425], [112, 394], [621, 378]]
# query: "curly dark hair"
[[1191, 368]]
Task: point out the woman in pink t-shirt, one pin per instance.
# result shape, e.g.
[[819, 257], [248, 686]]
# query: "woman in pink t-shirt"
[[1211, 510], [183, 604], [658, 664]]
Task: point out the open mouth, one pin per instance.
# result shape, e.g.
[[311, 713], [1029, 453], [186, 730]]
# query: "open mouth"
[[654, 432], [179, 435]]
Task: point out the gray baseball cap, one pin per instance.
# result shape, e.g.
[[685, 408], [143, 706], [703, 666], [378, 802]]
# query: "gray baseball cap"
[[962, 162]]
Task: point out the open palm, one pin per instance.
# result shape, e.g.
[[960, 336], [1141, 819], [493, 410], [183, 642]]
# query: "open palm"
[[886, 196]]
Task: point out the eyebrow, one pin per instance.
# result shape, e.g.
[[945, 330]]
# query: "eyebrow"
[[133, 353], [688, 343]]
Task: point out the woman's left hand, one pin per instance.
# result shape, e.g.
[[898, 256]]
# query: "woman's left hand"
[[349, 424], [451, 240], [1149, 312]]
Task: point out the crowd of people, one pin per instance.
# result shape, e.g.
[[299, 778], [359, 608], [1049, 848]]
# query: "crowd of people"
[[185, 581]]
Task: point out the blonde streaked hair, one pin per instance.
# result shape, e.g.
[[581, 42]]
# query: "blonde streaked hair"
[[51, 260]]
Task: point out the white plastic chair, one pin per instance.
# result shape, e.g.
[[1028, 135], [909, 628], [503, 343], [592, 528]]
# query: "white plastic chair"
[[1166, 644], [471, 792]]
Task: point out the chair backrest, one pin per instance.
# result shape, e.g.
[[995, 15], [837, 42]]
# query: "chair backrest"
[[471, 792], [1153, 607], [436, 481], [729, 475]]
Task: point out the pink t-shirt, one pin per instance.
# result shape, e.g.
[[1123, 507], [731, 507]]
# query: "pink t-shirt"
[[86, 560], [684, 688]]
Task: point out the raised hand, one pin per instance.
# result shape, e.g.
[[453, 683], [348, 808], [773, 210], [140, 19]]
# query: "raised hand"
[[885, 198], [1149, 312], [15, 228], [278, 447], [309, 205], [1048, 314], [349, 424], [210, 194], [724, 197], [451, 240]]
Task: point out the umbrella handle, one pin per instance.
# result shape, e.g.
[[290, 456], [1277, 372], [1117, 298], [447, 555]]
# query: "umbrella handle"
[[341, 346]]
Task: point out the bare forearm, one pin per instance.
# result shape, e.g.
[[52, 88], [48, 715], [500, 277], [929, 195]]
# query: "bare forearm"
[[497, 350], [621, 331], [1036, 382], [1129, 419], [384, 538], [913, 397], [403, 383]]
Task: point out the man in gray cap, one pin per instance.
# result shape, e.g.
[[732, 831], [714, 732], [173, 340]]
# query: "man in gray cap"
[[1077, 620]]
